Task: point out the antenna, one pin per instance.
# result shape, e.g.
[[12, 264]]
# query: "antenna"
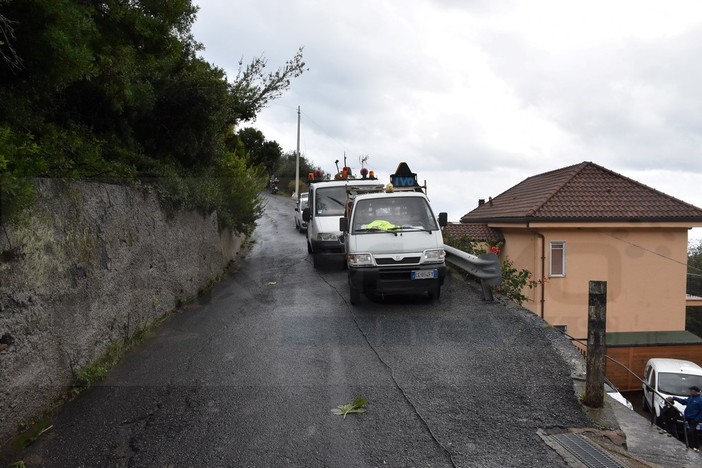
[[363, 160]]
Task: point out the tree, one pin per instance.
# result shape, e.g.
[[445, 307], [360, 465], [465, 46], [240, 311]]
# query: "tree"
[[259, 150], [694, 258], [190, 118], [114, 89], [286, 169], [125, 74], [253, 89], [693, 320], [91, 73], [7, 37]]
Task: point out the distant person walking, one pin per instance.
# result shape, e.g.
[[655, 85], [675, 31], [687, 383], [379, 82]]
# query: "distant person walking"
[[693, 414]]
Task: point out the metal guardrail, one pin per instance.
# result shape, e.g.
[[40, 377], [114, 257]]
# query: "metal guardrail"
[[485, 267]]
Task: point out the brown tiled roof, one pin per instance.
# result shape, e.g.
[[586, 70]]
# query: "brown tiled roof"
[[583, 192], [476, 232]]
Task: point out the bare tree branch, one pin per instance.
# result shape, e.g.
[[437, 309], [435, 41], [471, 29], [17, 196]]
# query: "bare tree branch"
[[7, 35]]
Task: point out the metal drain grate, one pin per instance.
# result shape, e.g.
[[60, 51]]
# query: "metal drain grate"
[[587, 453]]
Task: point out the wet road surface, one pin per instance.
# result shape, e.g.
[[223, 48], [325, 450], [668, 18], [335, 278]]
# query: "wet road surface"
[[247, 376]]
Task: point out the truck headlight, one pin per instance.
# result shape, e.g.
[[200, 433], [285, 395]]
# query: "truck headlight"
[[360, 259], [327, 236], [434, 256]]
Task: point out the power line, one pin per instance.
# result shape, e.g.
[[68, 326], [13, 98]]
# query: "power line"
[[652, 251]]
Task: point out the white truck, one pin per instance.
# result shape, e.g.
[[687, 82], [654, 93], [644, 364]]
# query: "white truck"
[[328, 200], [393, 241]]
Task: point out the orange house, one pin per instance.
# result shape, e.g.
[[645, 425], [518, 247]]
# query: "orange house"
[[584, 222]]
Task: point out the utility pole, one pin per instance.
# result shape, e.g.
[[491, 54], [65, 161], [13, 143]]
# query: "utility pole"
[[596, 345], [297, 158]]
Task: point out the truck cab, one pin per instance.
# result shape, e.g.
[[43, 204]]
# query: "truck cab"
[[394, 243], [328, 201]]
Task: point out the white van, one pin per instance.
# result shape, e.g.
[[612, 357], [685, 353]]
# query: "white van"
[[301, 224], [394, 245], [328, 200], [665, 377]]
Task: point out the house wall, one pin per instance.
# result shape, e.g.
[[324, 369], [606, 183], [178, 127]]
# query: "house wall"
[[523, 249], [644, 268]]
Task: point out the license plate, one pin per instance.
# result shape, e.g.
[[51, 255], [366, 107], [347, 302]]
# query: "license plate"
[[424, 274]]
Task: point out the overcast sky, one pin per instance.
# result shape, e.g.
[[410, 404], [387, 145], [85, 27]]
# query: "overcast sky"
[[478, 95]]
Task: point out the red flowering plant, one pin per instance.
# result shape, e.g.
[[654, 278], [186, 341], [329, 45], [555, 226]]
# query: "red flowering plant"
[[496, 247]]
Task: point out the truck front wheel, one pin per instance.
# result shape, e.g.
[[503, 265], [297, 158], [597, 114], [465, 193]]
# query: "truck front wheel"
[[355, 296], [435, 291]]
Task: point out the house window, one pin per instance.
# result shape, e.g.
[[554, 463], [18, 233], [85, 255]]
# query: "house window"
[[558, 255]]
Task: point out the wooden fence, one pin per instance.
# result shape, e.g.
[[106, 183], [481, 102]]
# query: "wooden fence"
[[635, 358]]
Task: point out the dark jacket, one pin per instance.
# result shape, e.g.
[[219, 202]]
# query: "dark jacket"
[[670, 413], [693, 407]]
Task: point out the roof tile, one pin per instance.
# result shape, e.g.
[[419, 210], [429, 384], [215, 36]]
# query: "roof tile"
[[476, 232], [583, 192]]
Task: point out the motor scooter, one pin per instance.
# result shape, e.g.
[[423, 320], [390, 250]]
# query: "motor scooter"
[[273, 185]]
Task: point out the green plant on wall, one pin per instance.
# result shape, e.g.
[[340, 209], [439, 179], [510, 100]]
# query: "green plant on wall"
[[514, 281], [16, 191], [88, 376]]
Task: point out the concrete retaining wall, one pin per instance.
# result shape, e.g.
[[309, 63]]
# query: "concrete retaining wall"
[[93, 263]]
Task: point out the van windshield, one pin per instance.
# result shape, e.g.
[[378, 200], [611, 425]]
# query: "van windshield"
[[393, 213], [330, 201], [677, 384]]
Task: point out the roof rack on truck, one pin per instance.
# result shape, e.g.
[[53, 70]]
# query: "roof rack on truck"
[[405, 180]]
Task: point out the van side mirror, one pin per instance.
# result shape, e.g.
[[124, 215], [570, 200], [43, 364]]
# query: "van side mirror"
[[443, 219], [344, 224], [306, 215]]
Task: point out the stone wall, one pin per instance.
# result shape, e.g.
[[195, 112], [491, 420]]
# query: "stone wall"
[[91, 264]]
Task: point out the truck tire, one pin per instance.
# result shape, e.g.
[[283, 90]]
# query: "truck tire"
[[354, 296], [309, 247], [435, 292], [316, 260]]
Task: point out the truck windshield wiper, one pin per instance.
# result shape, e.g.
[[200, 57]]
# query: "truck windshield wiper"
[[378, 230], [408, 227], [336, 201]]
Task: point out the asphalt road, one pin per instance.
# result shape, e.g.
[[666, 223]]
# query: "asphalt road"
[[247, 376]]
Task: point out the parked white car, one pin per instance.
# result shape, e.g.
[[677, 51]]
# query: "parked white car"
[[613, 392], [668, 377], [301, 224]]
